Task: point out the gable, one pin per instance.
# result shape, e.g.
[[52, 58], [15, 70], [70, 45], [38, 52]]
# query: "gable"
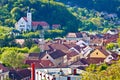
[[22, 21], [47, 57], [97, 54]]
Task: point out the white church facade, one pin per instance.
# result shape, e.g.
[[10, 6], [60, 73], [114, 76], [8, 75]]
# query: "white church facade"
[[26, 23]]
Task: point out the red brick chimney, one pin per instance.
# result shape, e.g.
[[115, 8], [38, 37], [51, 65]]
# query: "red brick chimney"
[[32, 71]]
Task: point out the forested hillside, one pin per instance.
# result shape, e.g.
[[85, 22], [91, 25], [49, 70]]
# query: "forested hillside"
[[42, 10], [110, 6], [74, 15]]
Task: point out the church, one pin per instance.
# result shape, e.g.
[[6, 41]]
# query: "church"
[[26, 24]]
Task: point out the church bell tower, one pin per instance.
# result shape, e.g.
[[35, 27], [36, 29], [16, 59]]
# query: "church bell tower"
[[29, 20]]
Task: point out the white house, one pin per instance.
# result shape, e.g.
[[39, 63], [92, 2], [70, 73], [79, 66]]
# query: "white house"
[[112, 31], [26, 23]]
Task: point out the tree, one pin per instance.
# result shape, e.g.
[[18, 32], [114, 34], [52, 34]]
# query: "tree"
[[110, 46], [15, 12], [12, 58], [34, 49]]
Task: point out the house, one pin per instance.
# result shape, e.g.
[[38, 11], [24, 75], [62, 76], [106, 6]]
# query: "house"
[[58, 57], [56, 26], [33, 56], [86, 51], [97, 42], [26, 23], [82, 43], [57, 74], [20, 41], [81, 63], [58, 46], [15, 32], [23, 74], [40, 63], [78, 36], [4, 72], [100, 55], [112, 31], [108, 38], [72, 56]]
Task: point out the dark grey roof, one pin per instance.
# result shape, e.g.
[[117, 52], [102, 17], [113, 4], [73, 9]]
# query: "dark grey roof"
[[57, 54], [34, 54], [20, 74]]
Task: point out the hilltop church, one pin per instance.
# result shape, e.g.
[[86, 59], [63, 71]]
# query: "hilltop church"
[[26, 23]]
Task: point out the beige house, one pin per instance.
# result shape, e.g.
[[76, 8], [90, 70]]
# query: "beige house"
[[101, 55], [58, 57]]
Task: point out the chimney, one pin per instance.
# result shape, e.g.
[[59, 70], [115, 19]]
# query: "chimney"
[[32, 71]]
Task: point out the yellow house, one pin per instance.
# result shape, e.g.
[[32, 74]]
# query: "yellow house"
[[99, 53]]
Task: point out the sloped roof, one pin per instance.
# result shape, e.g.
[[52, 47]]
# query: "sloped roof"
[[57, 54], [40, 63], [20, 74], [34, 54], [58, 46], [25, 18], [71, 54], [75, 35], [46, 63], [4, 69], [41, 23], [104, 51], [95, 60]]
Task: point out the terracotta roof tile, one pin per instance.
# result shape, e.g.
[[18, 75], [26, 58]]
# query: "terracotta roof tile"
[[71, 54], [58, 46], [95, 60], [41, 23], [40, 63], [5, 69]]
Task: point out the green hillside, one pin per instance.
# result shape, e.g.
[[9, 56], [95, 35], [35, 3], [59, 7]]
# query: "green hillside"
[[110, 6], [43, 10], [74, 15]]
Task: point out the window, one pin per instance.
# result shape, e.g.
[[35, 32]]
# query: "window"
[[47, 57], [22, 25], [97, 53], [110, 57]]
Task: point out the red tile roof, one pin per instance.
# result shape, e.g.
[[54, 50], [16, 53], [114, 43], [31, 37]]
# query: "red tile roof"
[[58, 46], [41, 23], [75, 35], [56, 25], [4, 69], [40, 63], [95, 60], [71, 54], [46, 63]]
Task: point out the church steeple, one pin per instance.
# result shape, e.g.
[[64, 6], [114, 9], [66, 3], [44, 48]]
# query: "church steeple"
[[29, 19]]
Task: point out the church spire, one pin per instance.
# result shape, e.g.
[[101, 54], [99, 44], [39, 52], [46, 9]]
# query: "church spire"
[[28, 10], [29, 19]]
